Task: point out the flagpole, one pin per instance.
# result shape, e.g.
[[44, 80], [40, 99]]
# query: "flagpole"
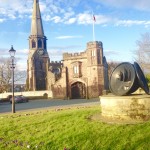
[[93, 31], [93, 26]]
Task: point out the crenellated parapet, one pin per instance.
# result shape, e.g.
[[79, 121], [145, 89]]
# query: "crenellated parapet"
[[55, 66], [95, 44], [56, 62], [80, 55]]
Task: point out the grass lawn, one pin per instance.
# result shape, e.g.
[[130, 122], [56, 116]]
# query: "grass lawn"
[[69, 129]]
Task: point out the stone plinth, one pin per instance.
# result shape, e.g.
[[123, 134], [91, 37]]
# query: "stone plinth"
[[134, 107]]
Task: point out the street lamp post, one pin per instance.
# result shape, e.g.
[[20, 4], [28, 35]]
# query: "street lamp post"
[[12, 66], [21, 89]]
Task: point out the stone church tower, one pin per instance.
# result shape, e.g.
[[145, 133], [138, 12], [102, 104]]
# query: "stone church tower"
[[38, 59], [78, 75]]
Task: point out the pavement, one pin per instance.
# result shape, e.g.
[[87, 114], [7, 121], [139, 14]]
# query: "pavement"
[[6, 107]]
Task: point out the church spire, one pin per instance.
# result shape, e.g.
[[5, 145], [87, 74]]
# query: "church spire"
[[36, 26]]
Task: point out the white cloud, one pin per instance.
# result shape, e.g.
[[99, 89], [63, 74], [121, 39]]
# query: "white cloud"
[[136, 4], [86, 18], [71, 21], [57, 19], [11, 16], [54, 9], [2, 20], [22, 52], [4, 52], [112, 55], [13, 10], [68, 14], [46, 17], [63, 11], [68, 37], [132, 22], [21, 65], [101, 19]]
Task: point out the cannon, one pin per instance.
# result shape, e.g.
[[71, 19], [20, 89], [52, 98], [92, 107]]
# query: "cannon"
[[126, 78]]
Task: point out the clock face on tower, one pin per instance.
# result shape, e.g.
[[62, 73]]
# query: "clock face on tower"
[[40, 52]]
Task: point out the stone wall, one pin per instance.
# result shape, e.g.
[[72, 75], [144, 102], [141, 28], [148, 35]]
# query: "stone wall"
[[59, 88], [29, 94]]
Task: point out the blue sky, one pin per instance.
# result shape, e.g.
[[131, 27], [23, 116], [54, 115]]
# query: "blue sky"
[[68, 26]]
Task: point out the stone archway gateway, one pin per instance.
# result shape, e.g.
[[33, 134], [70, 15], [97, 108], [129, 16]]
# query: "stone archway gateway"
[[78, 90]]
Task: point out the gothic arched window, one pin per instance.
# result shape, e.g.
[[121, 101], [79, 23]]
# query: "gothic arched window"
[[39, 43], [77, 69], [44, 44], [33, 44]]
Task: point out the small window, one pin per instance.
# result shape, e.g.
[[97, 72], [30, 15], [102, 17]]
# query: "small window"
[[44, 44], [93, 53], [39, 43], [33, 44], [76, 69]]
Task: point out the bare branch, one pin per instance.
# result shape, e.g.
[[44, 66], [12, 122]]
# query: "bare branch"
[[142, 53], [5, 75]]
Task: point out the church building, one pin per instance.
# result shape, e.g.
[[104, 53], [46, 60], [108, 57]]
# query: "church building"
[[78, 75], [38, 59]]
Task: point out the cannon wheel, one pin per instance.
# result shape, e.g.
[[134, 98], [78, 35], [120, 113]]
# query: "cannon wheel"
[[123, 79]]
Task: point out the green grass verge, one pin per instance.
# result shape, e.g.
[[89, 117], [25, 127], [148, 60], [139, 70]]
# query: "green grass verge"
[[71, 129]]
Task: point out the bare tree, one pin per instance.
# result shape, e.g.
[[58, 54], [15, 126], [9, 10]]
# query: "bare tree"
[[5, 75], [142, 53], [111, 66]]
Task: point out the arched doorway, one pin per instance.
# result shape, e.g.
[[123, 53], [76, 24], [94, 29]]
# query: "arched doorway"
[[78, 90]]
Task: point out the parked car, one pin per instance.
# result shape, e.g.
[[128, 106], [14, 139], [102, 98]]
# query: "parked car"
[[9, 97], [19, 99]]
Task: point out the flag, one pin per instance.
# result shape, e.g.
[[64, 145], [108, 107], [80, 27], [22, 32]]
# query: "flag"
[[94, 19]]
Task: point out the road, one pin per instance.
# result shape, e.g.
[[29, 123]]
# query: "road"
[[44, 104]]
